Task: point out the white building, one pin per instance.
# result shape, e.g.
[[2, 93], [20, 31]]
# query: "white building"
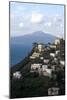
[[35, 66], [62, 62], [57, 51], [46, 61], [17, 75], [40, 47], [41, 69], [41, 58], [52, 54], [55, 59], [47, 72], [53, 91], [53, 46], [44, 67], [34, 55], [57, 41]]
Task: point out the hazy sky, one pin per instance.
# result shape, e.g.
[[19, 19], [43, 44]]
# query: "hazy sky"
[[26, 18]]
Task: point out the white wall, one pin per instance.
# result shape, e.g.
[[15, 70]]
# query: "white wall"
[[4, 48]]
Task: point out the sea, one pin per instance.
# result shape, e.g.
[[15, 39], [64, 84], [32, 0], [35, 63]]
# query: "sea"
[[18, 52]]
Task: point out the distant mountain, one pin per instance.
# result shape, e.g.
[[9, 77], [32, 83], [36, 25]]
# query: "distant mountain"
[[28, 39]]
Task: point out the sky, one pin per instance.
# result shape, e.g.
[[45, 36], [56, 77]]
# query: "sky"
[[26, 18]]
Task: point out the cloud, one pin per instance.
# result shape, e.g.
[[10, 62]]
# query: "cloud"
[[58, 18], [20, 8], [36, 17], [61, 25], [21, 24], [48, 24], [25, 20]]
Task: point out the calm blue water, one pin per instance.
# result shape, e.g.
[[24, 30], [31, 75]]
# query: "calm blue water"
[[18, 53]]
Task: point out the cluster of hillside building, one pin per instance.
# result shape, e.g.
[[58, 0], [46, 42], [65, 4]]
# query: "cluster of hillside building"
[[48, 58]]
